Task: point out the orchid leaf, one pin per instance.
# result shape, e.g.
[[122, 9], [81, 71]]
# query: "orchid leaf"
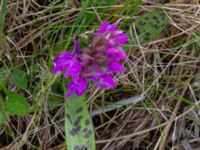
[[150, 26], [78, 124]]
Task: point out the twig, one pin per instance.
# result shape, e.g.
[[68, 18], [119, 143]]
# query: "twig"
[[132, 100]]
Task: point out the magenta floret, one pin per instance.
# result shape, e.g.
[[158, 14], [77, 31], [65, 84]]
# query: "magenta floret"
[[95, 62]]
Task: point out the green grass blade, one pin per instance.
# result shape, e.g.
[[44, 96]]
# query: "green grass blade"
[[2, 15], [78, 125]]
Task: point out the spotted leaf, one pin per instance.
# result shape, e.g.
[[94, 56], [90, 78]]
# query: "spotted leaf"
[[150, 26], [78, 125]]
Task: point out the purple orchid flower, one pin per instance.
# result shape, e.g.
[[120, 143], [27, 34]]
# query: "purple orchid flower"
[[95, 62]]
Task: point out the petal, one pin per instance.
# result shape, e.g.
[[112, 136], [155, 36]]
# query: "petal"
[[116, 53], [76, 45], [77, 87], [106, 81], [61, 65], [115, 66], [103, 27], [71, 88], [97, 69], [54, 70], [112, 50], [121, 54], [117, 32], [81, 87], [122, 39], [111, 42], [59, 68], [62, 56], [74, 69], [112, 27]]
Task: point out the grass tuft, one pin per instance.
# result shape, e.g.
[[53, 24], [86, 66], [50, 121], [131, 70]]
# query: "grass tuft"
[[162, 70]]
